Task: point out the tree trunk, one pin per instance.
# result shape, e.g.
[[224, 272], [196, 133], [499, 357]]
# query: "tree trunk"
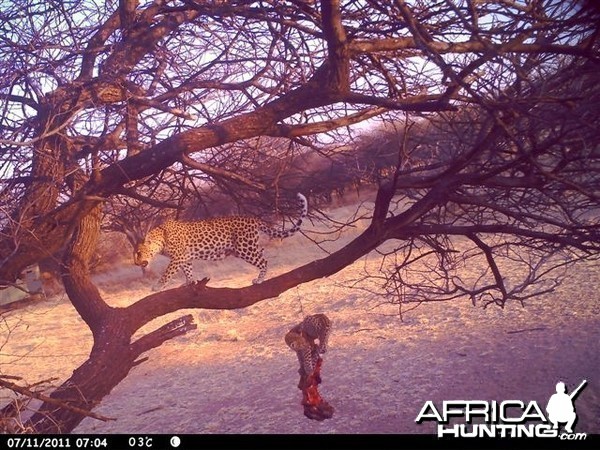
[[107, 366], [114, 354]]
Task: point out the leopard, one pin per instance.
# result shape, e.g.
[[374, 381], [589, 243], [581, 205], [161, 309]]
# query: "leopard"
[[302, 337], [211, 239]]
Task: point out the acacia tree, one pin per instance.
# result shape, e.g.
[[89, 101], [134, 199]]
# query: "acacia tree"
[[97, 99]]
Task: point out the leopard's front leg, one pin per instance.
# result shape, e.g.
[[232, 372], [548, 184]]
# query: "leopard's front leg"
[[171, 270]]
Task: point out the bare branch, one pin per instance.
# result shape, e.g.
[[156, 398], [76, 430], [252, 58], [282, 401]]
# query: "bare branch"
[[218, 172], [157, 337], [62, 404]]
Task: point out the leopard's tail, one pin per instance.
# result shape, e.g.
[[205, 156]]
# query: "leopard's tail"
[[280, 233]]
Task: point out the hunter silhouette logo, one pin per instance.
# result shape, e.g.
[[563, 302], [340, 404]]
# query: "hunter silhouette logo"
[[507, 418], [560, 407]]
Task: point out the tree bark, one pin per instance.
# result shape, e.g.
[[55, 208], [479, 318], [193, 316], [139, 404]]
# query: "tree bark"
[[114, 354], [42, 225]]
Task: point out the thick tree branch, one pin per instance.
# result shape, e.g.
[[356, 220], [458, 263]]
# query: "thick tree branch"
[[143, 38], [420, 103], [367, 46], [244, 71], [222, 173], [149, 200], [202, 296], [169, 331], [95, 44], [21, 99], [76, 273], [307, 129], [337, 46]]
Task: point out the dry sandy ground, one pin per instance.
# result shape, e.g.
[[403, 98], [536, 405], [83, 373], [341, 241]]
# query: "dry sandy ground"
[[235, 374]]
